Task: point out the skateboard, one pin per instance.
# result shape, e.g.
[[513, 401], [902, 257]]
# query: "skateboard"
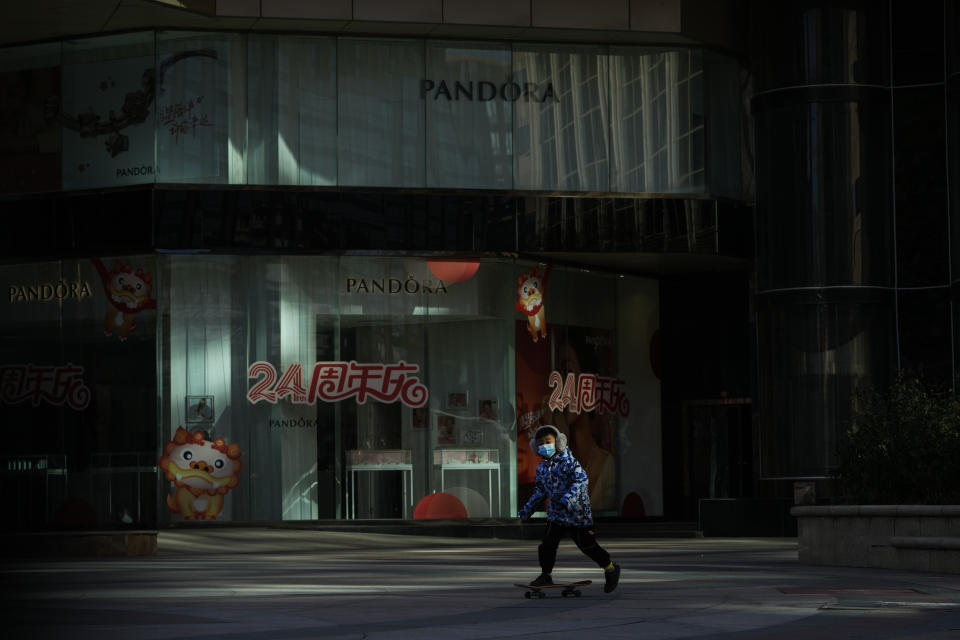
[[569, 588]]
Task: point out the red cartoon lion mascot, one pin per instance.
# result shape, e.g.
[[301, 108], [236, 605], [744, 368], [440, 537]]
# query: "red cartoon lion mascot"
[[203, 473], [531, 290], [128, 293]]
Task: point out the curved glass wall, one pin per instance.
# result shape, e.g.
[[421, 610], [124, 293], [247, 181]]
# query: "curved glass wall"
[[824, 176], [184, 107], [815, 43], [826, 225], [822, 347], [952, 88]]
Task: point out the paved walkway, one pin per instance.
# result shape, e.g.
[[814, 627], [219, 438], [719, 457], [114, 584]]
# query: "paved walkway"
[[279, 583]]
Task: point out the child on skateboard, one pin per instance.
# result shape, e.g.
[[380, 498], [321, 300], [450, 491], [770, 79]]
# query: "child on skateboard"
[[561, 479]]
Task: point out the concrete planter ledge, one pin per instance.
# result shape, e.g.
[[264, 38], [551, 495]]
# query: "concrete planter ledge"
[[879, 510], [908, 542], [905, 537]]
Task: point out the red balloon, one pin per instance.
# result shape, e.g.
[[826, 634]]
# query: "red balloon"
[[453, 270], [438, 506], [633, 506]]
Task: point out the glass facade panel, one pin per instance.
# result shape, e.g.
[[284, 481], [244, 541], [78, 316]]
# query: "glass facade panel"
[[109, 88], [811, 43], [574, 346], [561, 133], [292, 110], [201, 107], [470, 416], [78, 372], [722, 111], [381, 115], [211, 108], [360, 387], [30, 109], [920, 183], [657, 121], [820, 347], [818, 192], [469, 126], [923, 316], [953, 168]]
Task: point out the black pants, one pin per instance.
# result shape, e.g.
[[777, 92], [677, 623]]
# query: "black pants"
[[582, 536]]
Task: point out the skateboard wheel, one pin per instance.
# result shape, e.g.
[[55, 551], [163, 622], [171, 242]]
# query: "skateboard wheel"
[[565, 594], [527, 595]]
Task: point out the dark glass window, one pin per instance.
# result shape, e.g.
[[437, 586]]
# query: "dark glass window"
[[815, 351], [921, 189], [798, 45], [824, 212], [917, 37], [924, 319]]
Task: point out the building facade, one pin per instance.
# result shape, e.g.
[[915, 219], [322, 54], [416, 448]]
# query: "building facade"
[[266, 262]]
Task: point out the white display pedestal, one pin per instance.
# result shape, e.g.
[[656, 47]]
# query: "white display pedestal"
[[374, 461], [472, 460]]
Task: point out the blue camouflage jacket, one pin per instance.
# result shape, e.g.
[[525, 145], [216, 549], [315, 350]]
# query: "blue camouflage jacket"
[[563, 480]]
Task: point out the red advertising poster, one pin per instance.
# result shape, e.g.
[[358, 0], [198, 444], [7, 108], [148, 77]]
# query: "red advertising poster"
[[534, 363], [568, 380]]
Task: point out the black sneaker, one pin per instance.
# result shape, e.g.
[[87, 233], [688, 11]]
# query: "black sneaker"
[[611, 578], [543, 580]]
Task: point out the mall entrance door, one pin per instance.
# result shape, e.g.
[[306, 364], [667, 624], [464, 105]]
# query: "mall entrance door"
[[717, 451]]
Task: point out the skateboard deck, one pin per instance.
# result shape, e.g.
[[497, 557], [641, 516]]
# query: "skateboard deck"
[[569, 588]]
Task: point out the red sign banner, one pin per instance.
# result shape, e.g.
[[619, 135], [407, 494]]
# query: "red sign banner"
[[335, 381], [588, 392], [42, 383]]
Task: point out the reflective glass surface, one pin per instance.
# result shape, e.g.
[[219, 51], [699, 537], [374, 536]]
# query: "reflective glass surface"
[[955, 328], [924, 332], [561, 138], [824, 211], [79, 366], [208, 403], [201, 115], [815, 351], [952, 37], [469, 124], [624, 224], [917, 41], [109, 89], [380, 112], [725, 126], [214, 108], [811, 43], [953, 168], [351, 444], [920, 172], [292, 110], [657, 121], [30, 154]]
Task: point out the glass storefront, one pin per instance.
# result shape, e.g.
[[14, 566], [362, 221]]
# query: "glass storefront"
[[327, 373], [221, 108], [269, 387]]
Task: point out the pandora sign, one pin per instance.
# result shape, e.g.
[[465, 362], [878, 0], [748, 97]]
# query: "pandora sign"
[[484, 90]]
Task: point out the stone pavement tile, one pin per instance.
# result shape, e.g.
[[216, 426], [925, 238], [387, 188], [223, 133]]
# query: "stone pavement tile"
[[254, 584]]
